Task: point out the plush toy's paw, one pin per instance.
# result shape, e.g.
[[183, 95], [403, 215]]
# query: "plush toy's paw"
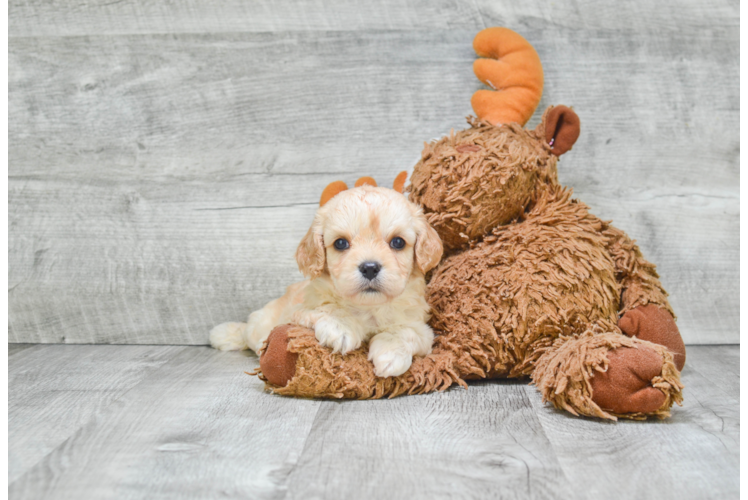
[[330, 333], [655, 325], [388, 356], [278, 365], [626, 387]]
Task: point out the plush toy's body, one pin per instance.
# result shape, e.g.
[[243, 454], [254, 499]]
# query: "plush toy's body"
[[531, 284]]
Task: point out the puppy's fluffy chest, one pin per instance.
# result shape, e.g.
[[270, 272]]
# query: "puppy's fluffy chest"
[[408, 307], [379, 318]]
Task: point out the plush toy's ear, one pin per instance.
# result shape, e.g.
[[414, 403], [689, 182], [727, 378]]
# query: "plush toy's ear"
[[429, 247], [366, 181], [331, 190], [399, 183], [561, 129], [310, 255]]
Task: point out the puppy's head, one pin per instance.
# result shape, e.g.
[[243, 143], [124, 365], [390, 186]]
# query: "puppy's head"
[[370, 241]]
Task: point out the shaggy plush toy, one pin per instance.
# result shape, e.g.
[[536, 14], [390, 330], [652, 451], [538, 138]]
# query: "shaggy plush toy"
[[531, 284]]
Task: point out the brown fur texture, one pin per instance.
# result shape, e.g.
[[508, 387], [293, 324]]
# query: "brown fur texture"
[[543, 277], [531, 284], [321, 373], [475, 180]]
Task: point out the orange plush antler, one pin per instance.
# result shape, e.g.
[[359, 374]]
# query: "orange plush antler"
[[513, 70], [331, 190]]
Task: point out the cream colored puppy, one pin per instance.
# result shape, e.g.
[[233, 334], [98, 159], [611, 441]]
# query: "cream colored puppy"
[[365, 255]]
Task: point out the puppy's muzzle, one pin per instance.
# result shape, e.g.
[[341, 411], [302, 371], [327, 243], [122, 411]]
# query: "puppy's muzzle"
[[369, 270]]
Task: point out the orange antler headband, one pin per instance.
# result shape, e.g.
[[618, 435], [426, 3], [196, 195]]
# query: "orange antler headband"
[[336, 187]]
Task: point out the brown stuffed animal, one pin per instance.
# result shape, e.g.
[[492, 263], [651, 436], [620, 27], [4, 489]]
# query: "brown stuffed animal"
[[531, 284]]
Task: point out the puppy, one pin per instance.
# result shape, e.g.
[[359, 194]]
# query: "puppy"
[[365, 258]]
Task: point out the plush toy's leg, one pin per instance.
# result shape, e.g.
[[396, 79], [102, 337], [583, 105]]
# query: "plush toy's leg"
[[608, 375], [645, 311], [293, 363]]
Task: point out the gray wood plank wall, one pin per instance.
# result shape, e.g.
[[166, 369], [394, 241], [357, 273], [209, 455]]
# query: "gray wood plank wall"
[[165, 158]]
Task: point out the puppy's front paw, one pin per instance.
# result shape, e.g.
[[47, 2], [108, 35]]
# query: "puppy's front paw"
[[332, 334], [389, 356], [390, 363]]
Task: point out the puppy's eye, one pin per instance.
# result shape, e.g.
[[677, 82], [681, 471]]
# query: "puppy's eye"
[[341, 244], [397, 243]]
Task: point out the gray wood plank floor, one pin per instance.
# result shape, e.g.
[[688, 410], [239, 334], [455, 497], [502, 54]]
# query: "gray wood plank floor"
[[165, 158], [186, 422], [68, 386]]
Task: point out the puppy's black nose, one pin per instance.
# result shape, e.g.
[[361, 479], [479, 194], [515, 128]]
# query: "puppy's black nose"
[[370, 269]]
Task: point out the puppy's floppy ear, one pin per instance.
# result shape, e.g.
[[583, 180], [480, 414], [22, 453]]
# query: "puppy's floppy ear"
[[310, 255], [429, 247]]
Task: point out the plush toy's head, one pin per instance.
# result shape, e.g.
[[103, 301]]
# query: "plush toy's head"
[[488, 175]]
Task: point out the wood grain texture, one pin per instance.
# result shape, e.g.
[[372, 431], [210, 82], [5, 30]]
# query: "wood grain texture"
[[664, 16], [719, 364], [159, 183], [39, 18], [54, 390], [199, 428], [485, 442], [693, 455]]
